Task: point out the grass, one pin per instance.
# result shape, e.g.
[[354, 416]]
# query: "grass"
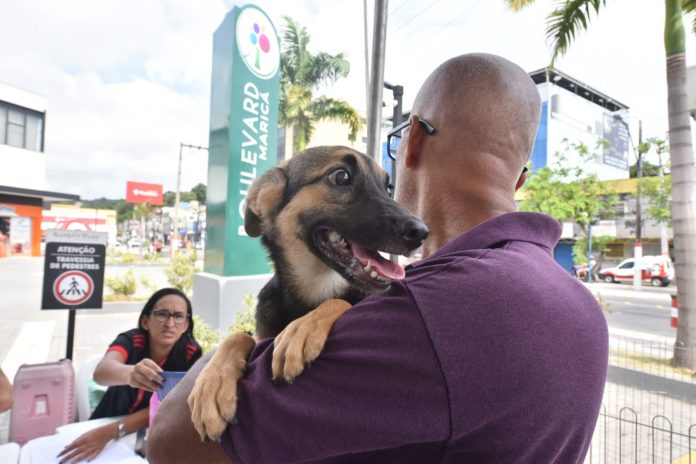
[[651, 364]]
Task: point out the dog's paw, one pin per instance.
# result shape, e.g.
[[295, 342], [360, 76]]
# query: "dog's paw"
[[303, 339], [213, 398]]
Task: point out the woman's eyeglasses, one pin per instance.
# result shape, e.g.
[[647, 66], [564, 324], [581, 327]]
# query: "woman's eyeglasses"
[[162, 316]]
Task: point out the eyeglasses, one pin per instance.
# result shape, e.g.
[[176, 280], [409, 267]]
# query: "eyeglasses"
[[394, 135], [162, 316]]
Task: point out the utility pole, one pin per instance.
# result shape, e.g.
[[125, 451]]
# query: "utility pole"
[[638, 247], [367, 59], [589, 252], [638, 244], [175, 236], [664, 245], [374, 113]]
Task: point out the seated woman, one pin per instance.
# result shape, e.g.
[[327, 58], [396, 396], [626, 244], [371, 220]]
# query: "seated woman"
[[130, 368]]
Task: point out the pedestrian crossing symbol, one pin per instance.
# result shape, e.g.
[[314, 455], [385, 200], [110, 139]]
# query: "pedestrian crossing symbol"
[[73, 288]]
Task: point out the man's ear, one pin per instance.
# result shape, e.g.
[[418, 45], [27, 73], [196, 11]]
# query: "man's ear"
[[414, 142], [263, 200]]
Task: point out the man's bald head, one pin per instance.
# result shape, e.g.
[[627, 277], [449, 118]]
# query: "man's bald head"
[[483, 103], [485, 111]]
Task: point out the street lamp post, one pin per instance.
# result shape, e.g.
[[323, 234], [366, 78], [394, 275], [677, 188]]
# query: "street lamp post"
[[638, 245], [374, 110], [177, 197], [397, 116]]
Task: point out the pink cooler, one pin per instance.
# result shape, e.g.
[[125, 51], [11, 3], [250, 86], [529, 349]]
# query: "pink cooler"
[[44, 399]]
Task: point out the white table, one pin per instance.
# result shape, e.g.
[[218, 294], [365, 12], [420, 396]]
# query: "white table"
[[43, 450]]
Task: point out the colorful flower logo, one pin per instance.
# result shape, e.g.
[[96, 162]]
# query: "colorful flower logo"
[[258, 38], [258, 42]]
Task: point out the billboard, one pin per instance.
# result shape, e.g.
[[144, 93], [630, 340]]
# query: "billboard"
[[141, 192], [616, 149], [243, 136]]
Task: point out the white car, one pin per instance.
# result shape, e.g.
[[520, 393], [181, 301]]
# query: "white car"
[[134, 243], [658, 270]]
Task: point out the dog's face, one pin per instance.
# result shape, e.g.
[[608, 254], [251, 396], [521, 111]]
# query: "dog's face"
[[329, 210]]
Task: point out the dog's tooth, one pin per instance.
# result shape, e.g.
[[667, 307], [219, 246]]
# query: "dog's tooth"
[[334, 237], [373, 274], [368, 266]]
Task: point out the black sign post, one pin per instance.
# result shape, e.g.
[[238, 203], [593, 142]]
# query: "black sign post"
[[73, 274]]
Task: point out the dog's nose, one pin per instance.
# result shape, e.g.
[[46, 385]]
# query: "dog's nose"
[[414, 232]]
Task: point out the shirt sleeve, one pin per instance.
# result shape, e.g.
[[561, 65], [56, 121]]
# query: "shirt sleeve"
[[376, 389], [127, 343]]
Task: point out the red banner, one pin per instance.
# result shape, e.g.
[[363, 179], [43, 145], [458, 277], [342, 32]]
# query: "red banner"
[[140, 192]]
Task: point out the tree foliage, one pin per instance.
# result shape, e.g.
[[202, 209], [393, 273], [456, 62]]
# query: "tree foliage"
[[567, 192], [181, 270], [302, 74]]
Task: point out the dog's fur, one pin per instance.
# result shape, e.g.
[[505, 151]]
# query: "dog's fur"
[[320, 215]]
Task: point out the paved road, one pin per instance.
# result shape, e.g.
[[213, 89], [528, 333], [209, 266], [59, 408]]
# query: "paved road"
[[28, 334], [646, 311]]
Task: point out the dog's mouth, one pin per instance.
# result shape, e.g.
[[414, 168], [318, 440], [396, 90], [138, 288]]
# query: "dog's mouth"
[[358, 263]]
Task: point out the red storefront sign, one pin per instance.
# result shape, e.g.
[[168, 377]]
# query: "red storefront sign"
[[140, 192]]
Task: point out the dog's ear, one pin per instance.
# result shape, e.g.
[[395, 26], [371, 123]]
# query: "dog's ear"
[[263, 199]]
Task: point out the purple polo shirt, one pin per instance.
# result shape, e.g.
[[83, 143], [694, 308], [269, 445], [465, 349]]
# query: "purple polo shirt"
[[487, 352]]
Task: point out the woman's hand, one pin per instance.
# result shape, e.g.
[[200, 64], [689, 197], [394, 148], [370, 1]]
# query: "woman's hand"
[[145, 375], [88, 445]]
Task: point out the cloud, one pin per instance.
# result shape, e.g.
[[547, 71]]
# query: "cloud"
[[127, 80]]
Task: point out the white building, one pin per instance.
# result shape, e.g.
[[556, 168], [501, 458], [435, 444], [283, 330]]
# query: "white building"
[[23, 171], [575, 111]]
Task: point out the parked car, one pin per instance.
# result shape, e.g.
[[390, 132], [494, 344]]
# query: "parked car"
[[134, 242], [658, 270]]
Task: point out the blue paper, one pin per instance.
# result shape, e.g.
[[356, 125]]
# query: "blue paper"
[[170, 381]]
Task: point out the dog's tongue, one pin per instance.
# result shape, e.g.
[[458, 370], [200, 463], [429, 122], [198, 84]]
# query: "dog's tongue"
[[387, 268]]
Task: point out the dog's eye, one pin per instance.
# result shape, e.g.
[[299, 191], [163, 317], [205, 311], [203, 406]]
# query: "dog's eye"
[[341, 177]]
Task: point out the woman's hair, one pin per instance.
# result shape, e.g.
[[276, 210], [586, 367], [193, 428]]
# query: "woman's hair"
[[178, 354], [150, 305]]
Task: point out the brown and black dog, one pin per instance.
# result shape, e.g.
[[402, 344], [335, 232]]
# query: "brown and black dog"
[[323, 216]]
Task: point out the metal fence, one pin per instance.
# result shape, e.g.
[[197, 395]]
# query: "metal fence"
[[648, 413]]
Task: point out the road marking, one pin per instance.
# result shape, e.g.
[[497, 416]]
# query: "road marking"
[[30, 347]]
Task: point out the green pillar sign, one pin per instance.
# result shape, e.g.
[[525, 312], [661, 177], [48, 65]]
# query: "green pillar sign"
[[243, 135]]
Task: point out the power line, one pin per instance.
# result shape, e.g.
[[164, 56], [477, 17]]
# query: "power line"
[[430, 5], [398, 8], [447, 24]]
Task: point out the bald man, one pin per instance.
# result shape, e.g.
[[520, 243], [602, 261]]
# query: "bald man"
[[487, 352]]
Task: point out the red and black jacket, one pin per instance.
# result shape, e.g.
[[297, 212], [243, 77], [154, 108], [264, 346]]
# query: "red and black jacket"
[[133, 345]]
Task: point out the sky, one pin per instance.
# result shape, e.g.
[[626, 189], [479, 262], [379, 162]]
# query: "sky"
[[127, 81]]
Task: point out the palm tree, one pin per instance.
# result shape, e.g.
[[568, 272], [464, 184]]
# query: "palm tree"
[[301, 75], [563, 23]]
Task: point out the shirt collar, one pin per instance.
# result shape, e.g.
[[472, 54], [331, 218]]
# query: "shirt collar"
[[536, 228]]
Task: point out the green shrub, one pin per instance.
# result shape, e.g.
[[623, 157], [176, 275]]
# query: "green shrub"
[[246, 318], [129, 258], [205, 335], [145, 282], [245, 321], [181, 270], [125, 285]]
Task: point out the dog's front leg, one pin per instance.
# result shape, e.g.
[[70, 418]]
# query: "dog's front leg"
[[213, 399], [303, 339]]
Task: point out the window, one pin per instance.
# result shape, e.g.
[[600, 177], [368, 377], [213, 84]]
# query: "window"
[[627, 265], [21, 127]]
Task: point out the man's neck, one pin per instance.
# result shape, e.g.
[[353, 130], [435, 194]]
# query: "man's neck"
[[448, 221]]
